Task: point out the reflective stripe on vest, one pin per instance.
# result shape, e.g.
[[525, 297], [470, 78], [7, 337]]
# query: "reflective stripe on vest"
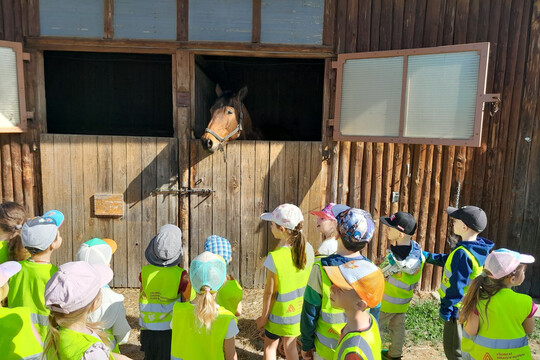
[[399, 290], [284, 317], [498, 343], [447, 274], [395, 300], [38, 319], [330, 322], [158, 296], [366, 343], [192, 343]]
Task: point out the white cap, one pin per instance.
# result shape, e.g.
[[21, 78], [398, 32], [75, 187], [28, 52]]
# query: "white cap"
[[286, 215]]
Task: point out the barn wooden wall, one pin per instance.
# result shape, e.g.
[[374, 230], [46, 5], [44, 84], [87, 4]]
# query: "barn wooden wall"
[[502, 176]]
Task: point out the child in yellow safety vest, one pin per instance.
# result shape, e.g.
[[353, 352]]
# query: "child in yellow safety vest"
[[288, 270], [320, 321], [111, 313], [163, 283], [230, 293], [201, 329], [496, 319], [19, 339], [402, 269], [357, 286], [41, 237], [12, 218], [71, 294], [461, 266]]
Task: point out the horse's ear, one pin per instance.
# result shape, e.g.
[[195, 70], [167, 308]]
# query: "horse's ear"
[[242, 93], [219, 92]]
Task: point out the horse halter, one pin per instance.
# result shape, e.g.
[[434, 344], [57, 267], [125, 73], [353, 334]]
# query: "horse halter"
[[229, 135]]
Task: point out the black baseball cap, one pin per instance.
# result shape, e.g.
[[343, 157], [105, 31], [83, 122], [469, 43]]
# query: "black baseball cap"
[[472, 216], [402, 221]]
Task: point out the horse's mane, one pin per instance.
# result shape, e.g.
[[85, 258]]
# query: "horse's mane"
[[226, 99]]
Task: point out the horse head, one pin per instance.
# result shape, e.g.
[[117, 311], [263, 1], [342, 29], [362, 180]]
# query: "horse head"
[[229, 119]]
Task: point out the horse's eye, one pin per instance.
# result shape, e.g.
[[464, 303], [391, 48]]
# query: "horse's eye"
[[229, 112]]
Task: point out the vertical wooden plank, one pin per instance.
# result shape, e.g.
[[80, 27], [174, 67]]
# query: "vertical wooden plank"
[[364, 26], [108, 15], [387, 176], [396, 176], [290, 175], [316, 200], [397, 26], [385, 38], [174, 183], [434, 215], [47, 168], [17, 17], [418, 165], [409, 19], [219, 197], [163, 179], [256, 22], [276, 183], [425, 195], [134, 210], [104, 181], [304, 185], [341, 18], [375, 210], [247, 256], [120, 230], [148, 183], [343, 173], [355, 176], [366, 176], [182, 20], [16, 161], [78, 203], [405, 178], [28, 174], [329, 22], [262, 175], [506, 210], [7, 170], [375, 25], [9, 20], [193, 203], [90, 176], [62, 156], [233, 205], [433, 8], [204, 202]]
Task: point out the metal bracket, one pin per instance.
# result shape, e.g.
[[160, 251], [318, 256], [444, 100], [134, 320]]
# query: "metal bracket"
[[182, 191]]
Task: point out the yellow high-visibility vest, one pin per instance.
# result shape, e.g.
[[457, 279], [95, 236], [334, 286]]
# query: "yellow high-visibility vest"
[[27, 289], [501, 335], [284, 318], [73, 345], [366, 343], [399, 291], [191, 343], [17, 340], [447, 273], [229, 295], [158, 296]]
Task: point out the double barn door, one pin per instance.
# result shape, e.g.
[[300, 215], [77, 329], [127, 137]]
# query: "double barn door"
[[255, 177]]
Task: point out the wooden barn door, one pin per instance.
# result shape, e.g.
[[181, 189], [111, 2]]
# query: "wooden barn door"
[[75, 168], [256, 177]]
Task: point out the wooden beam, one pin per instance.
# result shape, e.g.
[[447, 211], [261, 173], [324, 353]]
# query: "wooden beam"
[[256, 22], [108, 15], [182, 20]]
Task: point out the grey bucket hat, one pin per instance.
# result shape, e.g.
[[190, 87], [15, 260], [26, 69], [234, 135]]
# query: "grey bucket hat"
[[165, 249]]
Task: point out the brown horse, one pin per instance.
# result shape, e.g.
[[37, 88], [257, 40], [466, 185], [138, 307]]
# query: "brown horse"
[[230, 120]]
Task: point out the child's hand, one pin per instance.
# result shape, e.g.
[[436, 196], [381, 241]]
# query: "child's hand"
[[307, 355], [261, 321]]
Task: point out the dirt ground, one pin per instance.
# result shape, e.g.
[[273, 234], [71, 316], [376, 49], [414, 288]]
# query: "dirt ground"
[[248, 343]]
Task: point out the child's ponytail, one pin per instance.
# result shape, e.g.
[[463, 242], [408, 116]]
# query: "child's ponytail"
[[482, 287], [298, 244], [12, 218], [206, 310], [52, 341]]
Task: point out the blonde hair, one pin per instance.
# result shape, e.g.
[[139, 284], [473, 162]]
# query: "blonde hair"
[[206, 310], [483, 288], [297, 241], [4, 290], [58, 320], [12, 218]]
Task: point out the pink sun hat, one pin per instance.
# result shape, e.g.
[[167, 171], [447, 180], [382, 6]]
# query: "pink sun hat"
[[325, 213], [7, 270], [503, 262]]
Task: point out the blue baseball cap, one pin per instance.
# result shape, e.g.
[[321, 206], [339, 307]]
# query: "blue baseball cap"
[[220, 246], [355, 225], [207, 269]]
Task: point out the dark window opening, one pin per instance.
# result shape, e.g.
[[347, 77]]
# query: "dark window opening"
[[284, 100], [108, 93]]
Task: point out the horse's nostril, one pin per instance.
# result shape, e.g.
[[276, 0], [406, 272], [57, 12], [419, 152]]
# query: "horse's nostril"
[[209, 143]]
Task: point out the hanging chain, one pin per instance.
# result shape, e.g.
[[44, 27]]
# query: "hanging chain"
[[458, 193]]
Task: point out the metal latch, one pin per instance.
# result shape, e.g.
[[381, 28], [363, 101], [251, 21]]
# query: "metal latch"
[[181, 191]]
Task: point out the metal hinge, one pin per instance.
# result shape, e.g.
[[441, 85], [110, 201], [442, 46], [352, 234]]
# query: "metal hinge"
[[181, 191]]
